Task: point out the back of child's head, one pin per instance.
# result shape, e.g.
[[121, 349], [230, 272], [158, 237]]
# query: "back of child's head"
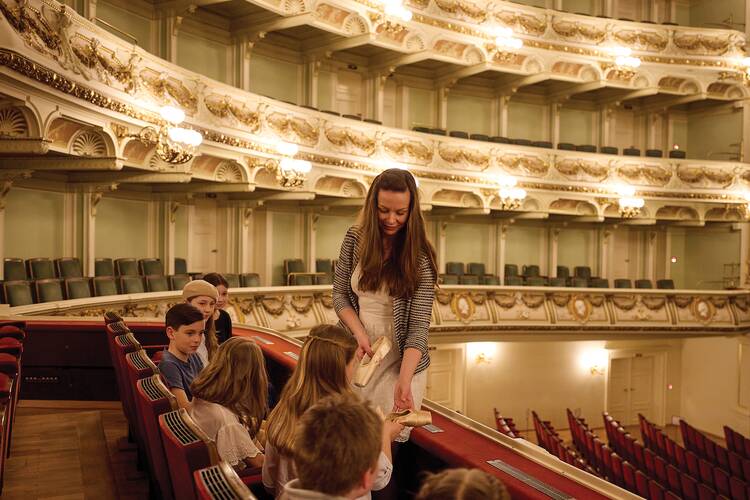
[[182, 314], [236, 378], [462, 484], [216, 280], [320, 372], [337, 441]]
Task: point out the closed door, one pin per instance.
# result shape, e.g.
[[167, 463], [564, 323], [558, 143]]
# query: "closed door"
[[203, 244], [445, 377], [631, 388]]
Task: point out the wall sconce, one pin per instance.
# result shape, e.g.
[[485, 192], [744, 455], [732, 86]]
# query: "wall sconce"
[[511, 196], [505, 39], [174, 145], [393, 14], [595, 360], [625, 63], [291, 172], [630, 205], [481, 352], [739, 70]]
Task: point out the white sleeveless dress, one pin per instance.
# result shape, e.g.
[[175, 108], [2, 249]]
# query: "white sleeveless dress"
[[376, 315]]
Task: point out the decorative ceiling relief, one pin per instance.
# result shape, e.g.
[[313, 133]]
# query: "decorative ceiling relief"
[[12, 123]]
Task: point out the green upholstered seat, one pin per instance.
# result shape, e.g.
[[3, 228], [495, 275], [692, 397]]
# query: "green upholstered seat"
[[40, 268], [180, 266], [665, 284], [126, 267], [579, 282], [131, 284], [599, 283], [104, 285], [178, 281], [14, 270], [468, 279], [558, 281], [157, 283], [18, 293], [582, 272], [69, 267], [623, 283], [456, 268], [323, 279], [449, 279], [323, 266], [49, 290], [250, 279], [643, 283], [531, 271], [513, 281], [490, 279], [535, 281], [563, 272], [104, 267], [151, 267], [232, 279], [301, 279], [77, 288], [511, 270], [475, 268]]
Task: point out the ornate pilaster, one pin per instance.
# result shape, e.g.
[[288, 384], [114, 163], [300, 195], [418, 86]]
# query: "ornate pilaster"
[[554, 236], [554, 122], [502, 234], [503, 103], [442, 229], [312, 72], [91, 198], [606, 125], [168, 211], [442, 104], [311, 230]]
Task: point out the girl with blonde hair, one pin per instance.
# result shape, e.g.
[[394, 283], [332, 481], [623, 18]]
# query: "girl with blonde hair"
[[325, 368], [230, 401], [462, 484]]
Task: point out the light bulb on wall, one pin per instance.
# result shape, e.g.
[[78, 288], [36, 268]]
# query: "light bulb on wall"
[[481, 352], [173, 115], [594, 360]]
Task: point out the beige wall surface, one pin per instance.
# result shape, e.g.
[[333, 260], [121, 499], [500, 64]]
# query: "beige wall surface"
[[524, 245], [274, 78], [121, 228], [711, 136], [468, 243], [181, 232], [330, 233], [285, 243], [202, 56], [577, 126], [33, 224], [421, 106], [702, 254], [711, 385], [576, 247], [469, 114], [527, 121], [522, 376], [127, 21]]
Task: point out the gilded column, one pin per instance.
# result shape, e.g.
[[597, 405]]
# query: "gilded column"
[[554, 236]]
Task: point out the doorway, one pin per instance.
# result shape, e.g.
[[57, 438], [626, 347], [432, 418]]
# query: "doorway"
[[446, 376], [632, 388], [203, 241]]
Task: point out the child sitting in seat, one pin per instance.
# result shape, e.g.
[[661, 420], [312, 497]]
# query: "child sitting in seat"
[[222, 320], [180, 364], [462, 484], [337, 446], [229, 401], [325, 367], [203, 295]]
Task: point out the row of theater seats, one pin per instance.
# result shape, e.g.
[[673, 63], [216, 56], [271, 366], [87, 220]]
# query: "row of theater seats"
[[295, 272], [737, 443], [563, 146], [548, 438], [45, 280], [473, 273], [12, 336], [618, 466], [169, 442], [505, 425]]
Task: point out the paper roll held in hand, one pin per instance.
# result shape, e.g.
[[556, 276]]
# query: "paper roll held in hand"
[[368, 365], [411, 418]]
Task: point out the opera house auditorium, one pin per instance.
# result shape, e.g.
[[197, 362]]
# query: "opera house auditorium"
[[250, 245]]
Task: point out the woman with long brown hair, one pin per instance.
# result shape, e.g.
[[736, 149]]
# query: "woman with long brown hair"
[[230, 401], [385, 286]]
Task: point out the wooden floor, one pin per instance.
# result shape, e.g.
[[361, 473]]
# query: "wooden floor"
[[66, 450]]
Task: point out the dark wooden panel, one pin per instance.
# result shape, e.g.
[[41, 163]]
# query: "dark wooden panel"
[[83, 384]]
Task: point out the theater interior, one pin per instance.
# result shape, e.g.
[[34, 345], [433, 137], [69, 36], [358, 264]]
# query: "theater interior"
[[581, 170]]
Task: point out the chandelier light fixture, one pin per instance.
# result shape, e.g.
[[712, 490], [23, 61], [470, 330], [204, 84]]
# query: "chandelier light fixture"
[[396, 10], [739, 70], [511, 196], [174, 145], [506, 40], [625, 64], [630, 205], [291, 172]]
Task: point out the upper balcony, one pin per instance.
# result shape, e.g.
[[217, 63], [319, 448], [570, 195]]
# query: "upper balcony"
[[81, 95]]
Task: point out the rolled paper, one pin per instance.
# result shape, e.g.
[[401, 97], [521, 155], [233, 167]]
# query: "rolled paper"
[[368, 365], [411, 418]]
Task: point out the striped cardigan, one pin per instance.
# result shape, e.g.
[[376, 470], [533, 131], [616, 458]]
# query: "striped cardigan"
[[411, 316]]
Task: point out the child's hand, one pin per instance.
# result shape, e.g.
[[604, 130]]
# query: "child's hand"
[[392, 429]]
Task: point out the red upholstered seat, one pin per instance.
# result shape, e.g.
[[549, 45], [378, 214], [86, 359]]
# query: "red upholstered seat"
[[8, 364], [12, 331], [152, 399], [689, 487], [738, 489], [648, 457], [111, 317], [628, 476], [6, 385], [735, 465], [673, 479], [656, 491], [706, 472], [706, 492], [617, 476], [187, 449], [156, 357], [220, 481], [660, 467], [691, 462], [641, 484], [680, 460], [722, 457], [638, 459], [11, 345], [121, 345], [721, 481]]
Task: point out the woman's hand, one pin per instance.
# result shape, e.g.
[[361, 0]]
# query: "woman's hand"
[[364, 345], [391, 430], [402, 398]]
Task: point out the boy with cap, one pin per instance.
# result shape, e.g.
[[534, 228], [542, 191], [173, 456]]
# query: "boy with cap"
[[180, 364], [203, 296]]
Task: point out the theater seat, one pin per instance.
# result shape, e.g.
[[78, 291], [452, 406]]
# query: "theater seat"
[[608, 150], [40, 268], [513, 281], [468, 279], [449, 279], [14, 269], [154, 399], [13, 331], [250, 279], [151, 267], [156, 283], [233, 279], [665, 284], [643, 283], [563, 272], [180, 266], [631, 152], [586, 148], [104, 267], [69, 267], [77, 288], [623, 283], [424, 130], [48, 290], [566, 146], [499, 140], [521, 142], [456, 268], [654, 153], [131, 284], [10, 345], [18, 293], [542, 144], [323, 279], [490, 279], [479, 137], [678, 154], [178, 281], [531, 270], [557, 281], [126, 267], [476, 268], [220, 482], [187, 449], [460, 134], [104, 285], [511, 270]]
